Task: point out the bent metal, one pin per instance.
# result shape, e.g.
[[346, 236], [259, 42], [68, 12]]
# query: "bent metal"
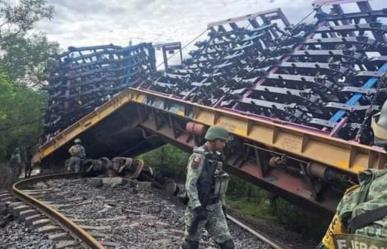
[[353, 241]]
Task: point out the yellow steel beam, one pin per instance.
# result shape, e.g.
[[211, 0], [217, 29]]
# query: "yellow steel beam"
[[345, 155], [79, 127]]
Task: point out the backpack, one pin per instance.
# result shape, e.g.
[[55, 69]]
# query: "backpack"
[[75, 150]]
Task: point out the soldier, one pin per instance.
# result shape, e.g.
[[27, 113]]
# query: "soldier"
[[206, 186], [361, 216], [16, 163], [78, 154]]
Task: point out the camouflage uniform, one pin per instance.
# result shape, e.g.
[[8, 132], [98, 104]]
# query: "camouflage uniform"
[[215, 223], [77, 153], [369, 195], [15, 163]]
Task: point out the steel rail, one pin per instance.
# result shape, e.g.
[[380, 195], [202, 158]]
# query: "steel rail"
[[257, 234], [58, 218]]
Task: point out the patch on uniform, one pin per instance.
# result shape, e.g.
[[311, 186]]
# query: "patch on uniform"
[[196, 161], [355, 241]]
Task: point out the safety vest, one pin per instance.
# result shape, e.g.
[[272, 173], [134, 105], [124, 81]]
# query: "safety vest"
[[361, 218]]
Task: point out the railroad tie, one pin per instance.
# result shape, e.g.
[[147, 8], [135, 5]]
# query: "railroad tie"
[[96, 227], [29, 219], [65, 244], [49, 229], [41, 222], [59, 236], [7, 198], [16, 210], [28, 213]]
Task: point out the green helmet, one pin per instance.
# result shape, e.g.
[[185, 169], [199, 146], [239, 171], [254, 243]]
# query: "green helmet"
[[379, 126], [216, 132], [77, 141]]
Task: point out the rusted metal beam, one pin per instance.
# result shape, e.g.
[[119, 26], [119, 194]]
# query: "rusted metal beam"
[[345, 155]]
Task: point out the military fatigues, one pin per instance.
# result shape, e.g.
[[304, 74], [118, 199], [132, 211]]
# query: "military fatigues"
[[77, 153], [15, 163], [205, 173], [371, 194]]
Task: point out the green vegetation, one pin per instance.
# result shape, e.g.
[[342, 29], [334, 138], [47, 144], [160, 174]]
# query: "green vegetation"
[[20, 116], [255, 202], [24, 64], [249, 199], [169, 160]]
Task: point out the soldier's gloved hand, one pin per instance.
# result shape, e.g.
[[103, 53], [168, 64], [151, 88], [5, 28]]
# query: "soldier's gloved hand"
[[224, 211], [200, 213]]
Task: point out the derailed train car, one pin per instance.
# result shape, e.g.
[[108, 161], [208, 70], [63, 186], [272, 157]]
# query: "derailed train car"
[[297, 98]]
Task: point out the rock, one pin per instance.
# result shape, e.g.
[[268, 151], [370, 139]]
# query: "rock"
[[4, 220], [3, 209], [132, 219], [41, 185], [113, 181], [144, 186], [96, 182], [171, 188], [16, 235], [162, 243]]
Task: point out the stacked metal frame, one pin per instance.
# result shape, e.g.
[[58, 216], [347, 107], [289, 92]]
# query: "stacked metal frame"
[[86, 77], [323, 76], [233, 56], [329, 81]]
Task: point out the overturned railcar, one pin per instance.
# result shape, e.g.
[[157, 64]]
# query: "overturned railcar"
[[297, 98]]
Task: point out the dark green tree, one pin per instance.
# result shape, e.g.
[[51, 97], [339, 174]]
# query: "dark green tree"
[[25, 54], [24, 62], [20, 116], [19, 18]]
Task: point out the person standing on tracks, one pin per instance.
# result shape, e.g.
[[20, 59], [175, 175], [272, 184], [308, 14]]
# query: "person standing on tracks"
[[16, 163], [206, 186], [361, 216], [78, 154]]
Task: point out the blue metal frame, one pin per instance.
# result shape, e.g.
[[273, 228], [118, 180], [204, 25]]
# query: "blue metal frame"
[[355, 98]]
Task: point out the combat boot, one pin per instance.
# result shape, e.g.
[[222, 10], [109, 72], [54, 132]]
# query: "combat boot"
[[228, 244], [190, 244]]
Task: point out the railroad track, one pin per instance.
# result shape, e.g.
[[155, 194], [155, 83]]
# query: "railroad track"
[[66, 231], [259, 235], [63, 231]]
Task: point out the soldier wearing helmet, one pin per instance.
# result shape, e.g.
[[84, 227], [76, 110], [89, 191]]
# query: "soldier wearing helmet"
[[78, 154], [206, 185], [363, 209]]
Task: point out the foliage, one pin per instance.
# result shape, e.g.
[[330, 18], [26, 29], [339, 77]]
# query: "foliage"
[[27, 59], [20, 116], [168, 159], [25, 55], [304, 221], [20, 17], [24, 62]]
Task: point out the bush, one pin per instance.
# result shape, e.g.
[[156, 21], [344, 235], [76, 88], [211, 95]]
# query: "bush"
[[169, 160], [304, 221], [20, 117]]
